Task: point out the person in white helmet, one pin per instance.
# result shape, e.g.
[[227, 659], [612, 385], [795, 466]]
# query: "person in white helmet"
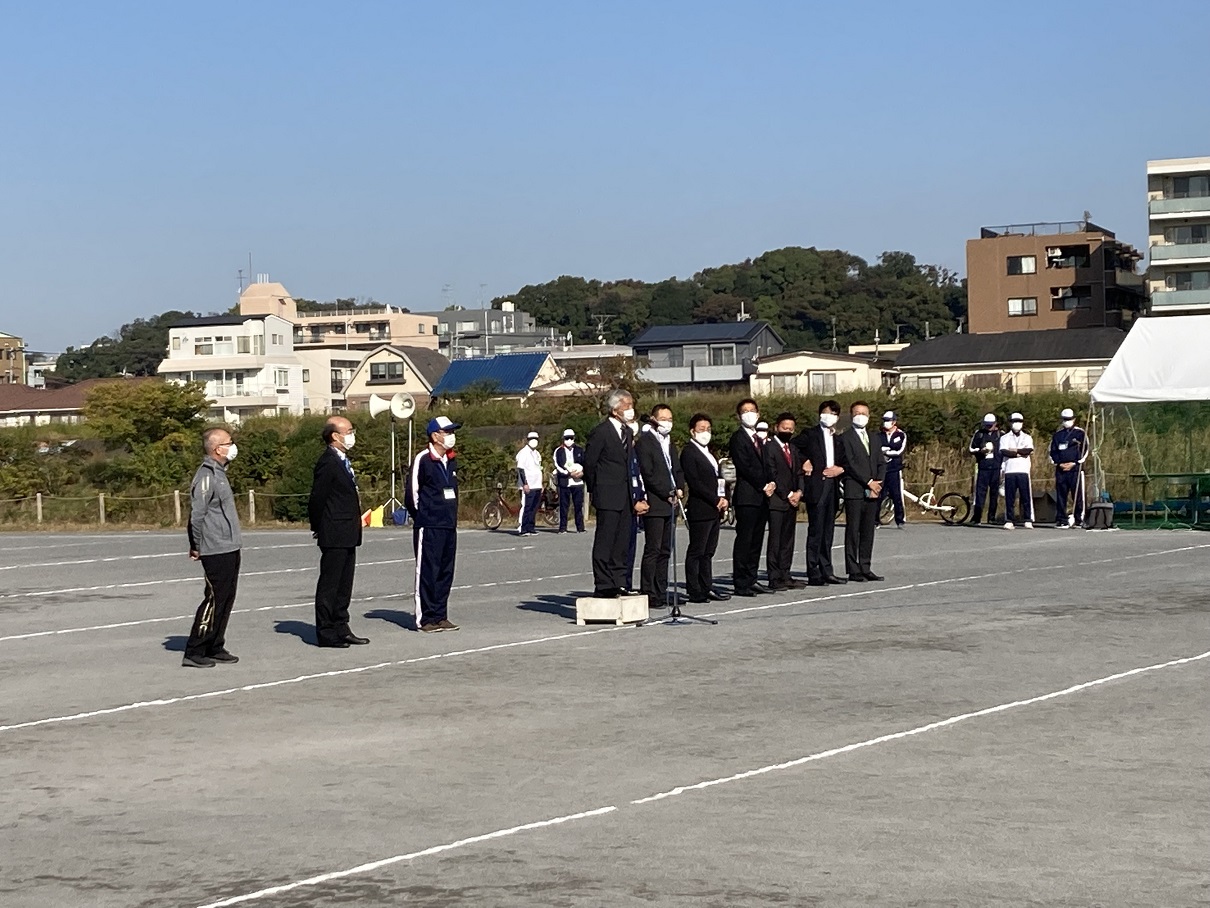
[[529, 481], [1068, 451], [569, 470], [893, 441], [1017, 447], [985, 448]]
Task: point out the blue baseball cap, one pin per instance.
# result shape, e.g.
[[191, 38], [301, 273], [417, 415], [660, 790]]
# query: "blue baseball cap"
[[442, 424]]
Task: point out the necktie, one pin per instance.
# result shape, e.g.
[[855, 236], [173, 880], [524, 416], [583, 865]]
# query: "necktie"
[[785, 449], [865, 440]]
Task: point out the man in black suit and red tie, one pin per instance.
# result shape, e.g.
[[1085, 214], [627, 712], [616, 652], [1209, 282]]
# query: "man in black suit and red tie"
[[706, 500], [608, 473], [819, 448], [864, 472], [783, 468], [335, 513], [750, 498]]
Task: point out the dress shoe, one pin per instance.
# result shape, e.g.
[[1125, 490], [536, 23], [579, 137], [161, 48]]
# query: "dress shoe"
[[334, 644], [716, 596], [355, 640], [746, 593], [832, 578], [433, 628], [857, 578], [797, 585], [817, 581], [698, 600], [198, 662], [870, 575], [758, 588], [653, 602], [446, 625], [777, 587], [225, 657], [605, 594]]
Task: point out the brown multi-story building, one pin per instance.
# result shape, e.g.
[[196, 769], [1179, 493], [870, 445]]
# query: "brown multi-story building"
[[12, 360], [1033, 277]]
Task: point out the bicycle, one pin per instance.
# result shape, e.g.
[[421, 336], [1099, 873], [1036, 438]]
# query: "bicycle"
[[952, 507], [494, 511]]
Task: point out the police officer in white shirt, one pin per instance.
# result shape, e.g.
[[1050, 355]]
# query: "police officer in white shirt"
[[529, 480], [1017, 446]]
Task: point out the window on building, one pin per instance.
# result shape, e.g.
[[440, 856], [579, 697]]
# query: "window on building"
[[420, 328], [1064, 299], [442, 329], [306, 374], [1188, 280], [673, 358], [1030, 382], [467, 327], [1023, 305], [176, 343], [1067, 256], [282, 377], [258, 344], [1022, 264], [722, 355], [784, 384], [386, 372], [243, 344], [823, 382], [922, 382], [203, 346], [224, 346], [982, 381], [1183, 236], [696, 354], [1192, 187]]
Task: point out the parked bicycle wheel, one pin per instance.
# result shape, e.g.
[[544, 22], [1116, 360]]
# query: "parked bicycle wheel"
[[493, 515], [954, 507], [549, 515], [886, 511]]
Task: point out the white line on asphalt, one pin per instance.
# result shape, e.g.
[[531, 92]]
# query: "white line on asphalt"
[[699, 786], [873, 590]]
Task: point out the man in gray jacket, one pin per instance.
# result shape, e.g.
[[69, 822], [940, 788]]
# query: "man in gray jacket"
[[214, 539]]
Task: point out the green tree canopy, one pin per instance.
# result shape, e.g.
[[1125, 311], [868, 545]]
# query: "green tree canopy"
[[132, 413], [137, 348]]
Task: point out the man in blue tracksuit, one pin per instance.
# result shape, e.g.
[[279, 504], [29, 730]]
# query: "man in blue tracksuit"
[[985, 448], [431, 497], [1068, 451], [569, 473], [893, 441]]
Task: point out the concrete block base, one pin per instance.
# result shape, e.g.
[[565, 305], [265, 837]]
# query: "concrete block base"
[[623, 610]]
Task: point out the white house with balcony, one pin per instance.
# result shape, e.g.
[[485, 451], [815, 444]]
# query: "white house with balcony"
[[246, 362], [718, 357], [1178, 218]]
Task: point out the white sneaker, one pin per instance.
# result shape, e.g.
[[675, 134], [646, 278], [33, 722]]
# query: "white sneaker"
[[1028, 525], [1008, 525]]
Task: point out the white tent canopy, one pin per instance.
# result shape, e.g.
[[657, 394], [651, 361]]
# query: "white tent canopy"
[[1164, 358]]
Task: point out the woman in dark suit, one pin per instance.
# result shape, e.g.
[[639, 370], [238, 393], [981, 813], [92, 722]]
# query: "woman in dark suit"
[[705, 503]]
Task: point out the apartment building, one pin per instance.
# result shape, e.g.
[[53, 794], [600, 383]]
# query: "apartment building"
[[1032, 277], [246, 362], [469, 333], [1178, 218], [12, 360]]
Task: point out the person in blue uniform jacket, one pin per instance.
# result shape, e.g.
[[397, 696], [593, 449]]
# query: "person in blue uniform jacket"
[[893, 441], [569, 475], [431, 497], [985, 448], [1068, 451]]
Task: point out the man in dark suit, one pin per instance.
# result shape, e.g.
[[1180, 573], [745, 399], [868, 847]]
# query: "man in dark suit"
[[706, 501], [660, 470], [783, 468], [864, 472], [335, 513], [750, 498], [608, 458], [818, 446]]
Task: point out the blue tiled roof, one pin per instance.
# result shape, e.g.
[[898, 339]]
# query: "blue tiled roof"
[[511, 373]]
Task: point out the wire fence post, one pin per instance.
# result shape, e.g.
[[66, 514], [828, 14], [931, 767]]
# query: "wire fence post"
[[38, 506], [101, 506], [251, 507], [176, 506]]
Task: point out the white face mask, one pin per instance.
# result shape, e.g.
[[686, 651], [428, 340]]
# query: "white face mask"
[[749, 419], [827, 420], [665, 426], [861, 420], [1018, 426], [449, 441], [533, 442], [349, 440], [628, 414], [887, 424], [232, 451], [702, 438], [1068, 423], [762, 434], [569, 442]]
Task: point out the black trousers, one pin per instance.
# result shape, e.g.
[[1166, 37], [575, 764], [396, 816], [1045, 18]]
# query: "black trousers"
[[749, 540], [333, 591], [571, 501], [609, 547], [209, 630], [436, 549], [657, 547], [779, 555], [987, 487], [821, 529], [699, 569], [860, 520]]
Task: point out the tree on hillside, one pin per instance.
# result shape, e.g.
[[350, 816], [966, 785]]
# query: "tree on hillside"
[[132, 413], [137, 348]]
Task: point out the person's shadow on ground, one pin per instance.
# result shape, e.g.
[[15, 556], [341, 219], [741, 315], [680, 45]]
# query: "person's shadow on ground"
[[175, 643], [300, 629], [563, 606], [405, 620]]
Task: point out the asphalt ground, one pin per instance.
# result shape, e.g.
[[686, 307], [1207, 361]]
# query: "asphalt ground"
[[1009, 719]]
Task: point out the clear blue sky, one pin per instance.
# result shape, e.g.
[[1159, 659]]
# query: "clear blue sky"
[[388, 149]]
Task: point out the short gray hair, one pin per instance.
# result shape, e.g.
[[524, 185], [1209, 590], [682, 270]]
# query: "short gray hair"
[[209, 436], [616, 397]]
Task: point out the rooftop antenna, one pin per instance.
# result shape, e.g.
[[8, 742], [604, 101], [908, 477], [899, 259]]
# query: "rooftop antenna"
[[601, 320], [899, 325], [961, 319], [877, 341], [239, 272], [743, 315]]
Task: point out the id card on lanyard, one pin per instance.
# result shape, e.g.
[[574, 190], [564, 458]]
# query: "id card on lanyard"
[[448, 491]]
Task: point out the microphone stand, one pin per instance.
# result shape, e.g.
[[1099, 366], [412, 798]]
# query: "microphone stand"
[[676, 618]]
